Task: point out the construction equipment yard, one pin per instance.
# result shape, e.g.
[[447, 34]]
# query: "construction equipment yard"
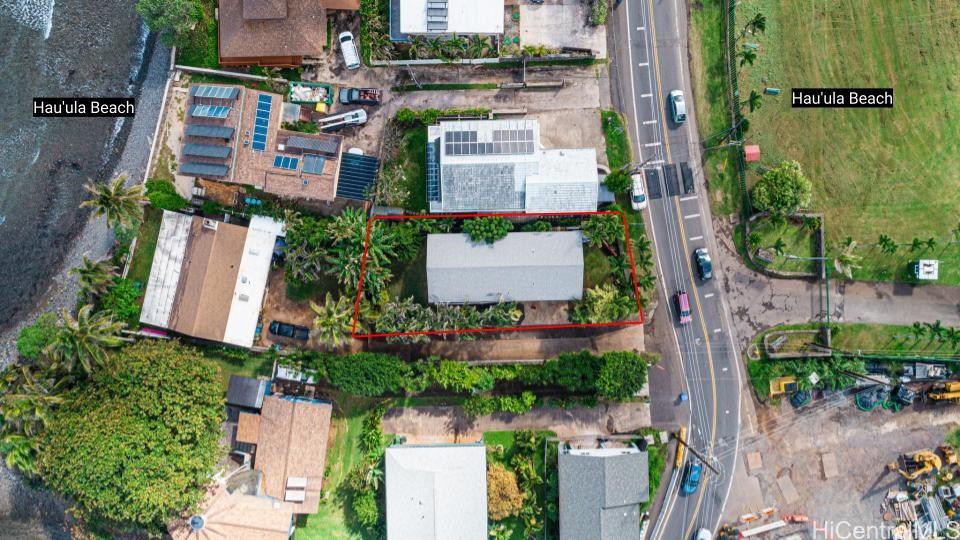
[[837, 465]]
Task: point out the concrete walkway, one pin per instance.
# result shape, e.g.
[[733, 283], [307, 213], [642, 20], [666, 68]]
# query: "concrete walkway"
[[759, 302], [430, 425]]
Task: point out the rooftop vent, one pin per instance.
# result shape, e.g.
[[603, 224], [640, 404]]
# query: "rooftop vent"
[[197, 523], [210, 224], [244, 298]]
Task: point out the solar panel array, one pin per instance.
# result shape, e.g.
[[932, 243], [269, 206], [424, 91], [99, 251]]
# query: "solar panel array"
[[215, 92], [206, 150], [264, 101], [209, 111], [505, 142], [286, 162], [357, 175], [213, 132], [327, 146], [433, 171], [202, 169], [313, 164]]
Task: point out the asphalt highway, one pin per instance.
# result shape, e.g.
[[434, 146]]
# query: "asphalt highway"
[[650, 60]]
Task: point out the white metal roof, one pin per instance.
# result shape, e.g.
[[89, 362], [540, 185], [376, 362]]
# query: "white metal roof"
[[251, 280], [436, 492], [165, 272], [521, 267], [463, 17]]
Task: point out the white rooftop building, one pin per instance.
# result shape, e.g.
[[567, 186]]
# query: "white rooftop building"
[[450, 16], [436, 492], [208, 278], [499, 166]]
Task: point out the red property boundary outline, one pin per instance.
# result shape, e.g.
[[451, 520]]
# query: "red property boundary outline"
[[363, 267]]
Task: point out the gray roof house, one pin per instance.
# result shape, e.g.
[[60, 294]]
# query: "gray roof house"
[[522, 267], [601, 490], [499, 166], [246, 392], [436, 492]]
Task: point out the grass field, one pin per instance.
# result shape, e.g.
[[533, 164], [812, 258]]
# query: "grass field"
[[798, 241], [618, 144], [146, 244], [343, 454], [411, 159], [875, 171]]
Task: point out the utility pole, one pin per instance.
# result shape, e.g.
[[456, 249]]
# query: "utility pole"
[[700, 456]]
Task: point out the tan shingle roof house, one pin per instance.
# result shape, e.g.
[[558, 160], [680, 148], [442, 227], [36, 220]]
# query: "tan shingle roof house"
[[233, 135], [236, 516], [280, 33]]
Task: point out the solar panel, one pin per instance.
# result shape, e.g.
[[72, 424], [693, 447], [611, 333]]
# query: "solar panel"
[[206, 150], [215, 92], [313, 164], [213, 132], [203, 169], [209, 111], [285, 162], [325, 145], [433, 171], [264, 102], [357, 176], [505, 142]]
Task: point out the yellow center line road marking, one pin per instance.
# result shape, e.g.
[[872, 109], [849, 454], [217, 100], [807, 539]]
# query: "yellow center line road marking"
[[693, 285]]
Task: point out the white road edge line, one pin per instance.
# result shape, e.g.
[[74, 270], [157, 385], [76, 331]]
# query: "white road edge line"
[[645, 96], [648, 122], [652, 144], [717, 330], [694, 239], [708, 295], [644, 64], [691, 216], [688, 198]]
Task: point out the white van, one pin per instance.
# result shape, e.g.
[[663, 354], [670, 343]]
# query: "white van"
[[348, 47]]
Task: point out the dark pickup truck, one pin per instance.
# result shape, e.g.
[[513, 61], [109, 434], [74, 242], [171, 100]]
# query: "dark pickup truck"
[[360, 96], [288, 330]]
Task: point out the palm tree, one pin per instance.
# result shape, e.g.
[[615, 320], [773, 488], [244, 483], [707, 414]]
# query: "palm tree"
[[931, 242], [123, 206], [755, 100], [757, 24], [779, 246], [847, 261], [916, 244], [94, 277], [918, 330], [84, 340], [887, 245], [333, 321], [935, 329], [647, 282], [953, 335], [418, 45], [747, 56], [435, 47], [478, 45]]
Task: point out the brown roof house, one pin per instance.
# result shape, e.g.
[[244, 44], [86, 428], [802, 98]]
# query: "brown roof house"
[[208, 278], [280, 33], [290, 448], [232, 134], [237, 513]]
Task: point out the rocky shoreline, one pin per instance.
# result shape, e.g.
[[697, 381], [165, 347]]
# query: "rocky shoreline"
[[26, 512]]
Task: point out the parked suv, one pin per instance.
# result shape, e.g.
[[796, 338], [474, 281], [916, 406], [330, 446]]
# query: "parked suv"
[[638, 199], [288, 330], [678, 107], [348, 47], [691, 480]]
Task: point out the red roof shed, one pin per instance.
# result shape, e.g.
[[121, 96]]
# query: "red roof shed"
[[751, 152]]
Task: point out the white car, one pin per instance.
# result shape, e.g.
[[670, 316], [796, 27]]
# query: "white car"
[[678, 107], [704, 534], [638, 197], [348, 47]]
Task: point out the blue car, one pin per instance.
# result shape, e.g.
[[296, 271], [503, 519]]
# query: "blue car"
[[691, 480]]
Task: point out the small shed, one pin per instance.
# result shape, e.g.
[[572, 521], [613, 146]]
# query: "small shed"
[[927, 269], [751, 153]]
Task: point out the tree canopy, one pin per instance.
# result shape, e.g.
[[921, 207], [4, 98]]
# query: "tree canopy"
[[170, 18], [137, 441], [783, 190]]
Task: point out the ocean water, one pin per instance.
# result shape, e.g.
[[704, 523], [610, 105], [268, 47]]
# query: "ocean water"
[[51, 48]]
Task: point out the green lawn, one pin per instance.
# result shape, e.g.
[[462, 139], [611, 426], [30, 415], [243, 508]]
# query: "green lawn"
[[617, 141], [798, 241], [875, 171], [889, 339], [333, 518], [596, 267], [409, 168], [146, 244], [410, 278], [656, 461], [238, 362]]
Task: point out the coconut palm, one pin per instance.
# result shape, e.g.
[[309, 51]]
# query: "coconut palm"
[[747, 56], [478, 46], [757, 24], [122, 206], [333, 321], [916, 244], [94, 277], [435, 47], [935, 329], [887, 245], [847, 261], [953, 336], [918, 330], [931, 242], [647, 282], [755, 100], [779, 246], [84, 340], [418, 46]]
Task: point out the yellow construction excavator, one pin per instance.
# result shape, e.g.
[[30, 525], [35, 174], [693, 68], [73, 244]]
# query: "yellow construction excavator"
[[913, 465], [948, 391]]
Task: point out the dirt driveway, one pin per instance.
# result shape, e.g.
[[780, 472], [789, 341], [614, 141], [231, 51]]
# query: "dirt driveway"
[[793, 444], [428, 425]]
